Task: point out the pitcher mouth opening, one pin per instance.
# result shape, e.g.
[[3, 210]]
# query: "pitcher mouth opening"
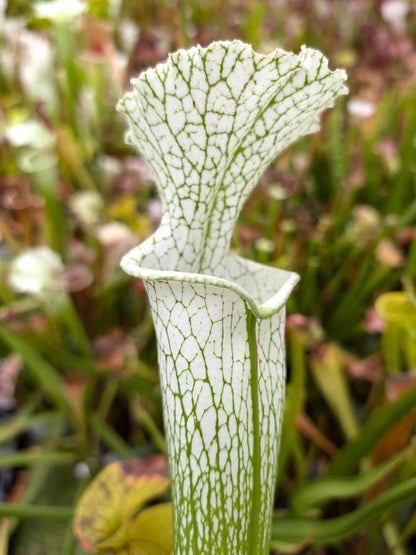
[[264, 288]]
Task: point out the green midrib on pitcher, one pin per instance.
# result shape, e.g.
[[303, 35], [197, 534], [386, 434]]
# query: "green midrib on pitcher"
[[255, 512]]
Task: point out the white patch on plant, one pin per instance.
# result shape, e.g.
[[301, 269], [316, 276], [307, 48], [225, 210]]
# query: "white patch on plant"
[[60, 11], [30, 133], [37, 271]]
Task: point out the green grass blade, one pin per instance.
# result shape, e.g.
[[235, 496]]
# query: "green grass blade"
[[43, 373], [329, 488], [25, 420], [331, 531], [111, 437], [347, 458]]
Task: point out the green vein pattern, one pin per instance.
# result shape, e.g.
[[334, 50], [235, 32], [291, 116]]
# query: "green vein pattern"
[[208, 122]]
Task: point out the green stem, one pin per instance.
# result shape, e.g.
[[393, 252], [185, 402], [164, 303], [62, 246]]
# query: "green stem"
[[151, 427], [35, 456], [71, 154], [107, 399], [183, 21], [110, 437], [65, 48], [21, 510], [70, 543], [62, 309], [411, 259], [44, 169]]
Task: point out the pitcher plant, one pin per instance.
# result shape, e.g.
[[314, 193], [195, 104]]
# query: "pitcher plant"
[[208, 122]]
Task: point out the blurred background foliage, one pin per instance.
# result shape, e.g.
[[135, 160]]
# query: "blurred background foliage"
[[78, 371]]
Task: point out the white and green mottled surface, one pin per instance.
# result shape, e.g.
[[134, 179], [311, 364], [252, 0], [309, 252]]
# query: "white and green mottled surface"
[[208, 122]]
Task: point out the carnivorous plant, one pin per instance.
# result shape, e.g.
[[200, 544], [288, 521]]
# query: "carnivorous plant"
[[208, 122]]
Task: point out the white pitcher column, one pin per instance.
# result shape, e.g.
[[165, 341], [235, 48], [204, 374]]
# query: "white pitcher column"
[[208, 122]]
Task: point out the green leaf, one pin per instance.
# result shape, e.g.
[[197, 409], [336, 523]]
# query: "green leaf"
[[107, 507], [328, 488], [44, 374], [331, 531], [347, 458]]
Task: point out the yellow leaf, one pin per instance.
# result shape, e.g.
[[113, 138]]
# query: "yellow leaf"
[[112, 500], [155, 527]]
